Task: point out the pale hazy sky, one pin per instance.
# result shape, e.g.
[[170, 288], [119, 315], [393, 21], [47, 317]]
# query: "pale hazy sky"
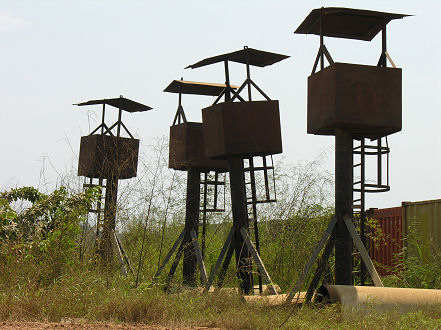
[[55, 53]]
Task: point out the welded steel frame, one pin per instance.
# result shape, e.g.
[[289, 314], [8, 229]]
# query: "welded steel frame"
[[377, 151], [361, 187], [238, 241], [106, 239], [341, 148], [339, 238], [187, 244], [216, 182]]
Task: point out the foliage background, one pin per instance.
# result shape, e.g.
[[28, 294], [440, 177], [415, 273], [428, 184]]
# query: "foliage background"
[[49, 269]]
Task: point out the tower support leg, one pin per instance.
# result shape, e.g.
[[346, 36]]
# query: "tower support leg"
[[343, 207], [105, 250], [240, 219], [189, 273]]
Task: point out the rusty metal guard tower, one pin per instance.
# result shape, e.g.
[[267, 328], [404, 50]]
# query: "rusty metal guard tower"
[[352, 102], [235, 131], [186, 153], [107, 156]]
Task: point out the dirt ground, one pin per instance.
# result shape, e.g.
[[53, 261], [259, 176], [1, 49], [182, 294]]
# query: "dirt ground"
[[81, 325]]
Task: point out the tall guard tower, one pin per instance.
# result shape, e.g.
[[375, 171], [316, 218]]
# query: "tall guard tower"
[[353, 102], [235, 131], [106, 157], [186, 153]]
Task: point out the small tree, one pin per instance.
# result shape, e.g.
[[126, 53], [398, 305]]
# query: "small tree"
[[45, 233]]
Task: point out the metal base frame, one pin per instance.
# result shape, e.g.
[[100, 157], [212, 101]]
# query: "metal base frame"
[[330, 242], [181, 242], [107, 242], [227, 253]]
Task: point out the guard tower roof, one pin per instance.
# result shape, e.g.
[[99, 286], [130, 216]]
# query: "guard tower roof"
[[255, 57], [346, 22], [120, 103], [194, 87]]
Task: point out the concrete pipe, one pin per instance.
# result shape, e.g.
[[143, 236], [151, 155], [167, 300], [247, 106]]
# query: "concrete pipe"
[[275, 300], [378, 298]]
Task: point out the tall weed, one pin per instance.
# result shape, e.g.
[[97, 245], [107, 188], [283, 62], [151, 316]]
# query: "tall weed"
[[419, 264]]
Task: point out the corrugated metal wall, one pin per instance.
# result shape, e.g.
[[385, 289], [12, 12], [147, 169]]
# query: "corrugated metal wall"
[[417, 221], [422, 220], [384, 252]]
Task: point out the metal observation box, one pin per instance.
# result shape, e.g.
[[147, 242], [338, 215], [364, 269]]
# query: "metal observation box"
[[187, 145], [242, 128], [187, 149], [364, 100], [245, 129], [234, 131], [105, 155]]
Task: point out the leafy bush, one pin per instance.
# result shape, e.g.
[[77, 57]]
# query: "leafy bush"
[[419, 264], [41, 238]]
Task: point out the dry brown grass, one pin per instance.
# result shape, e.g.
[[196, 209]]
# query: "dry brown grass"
[[91, 297]]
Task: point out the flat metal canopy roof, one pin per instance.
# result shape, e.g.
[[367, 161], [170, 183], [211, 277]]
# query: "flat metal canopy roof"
[[197, 88], [120, 103], [346, 23], [256, 58]]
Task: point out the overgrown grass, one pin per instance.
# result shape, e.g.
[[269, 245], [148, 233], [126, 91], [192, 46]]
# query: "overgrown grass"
[[85, 293], [43, 277], [90, 296]]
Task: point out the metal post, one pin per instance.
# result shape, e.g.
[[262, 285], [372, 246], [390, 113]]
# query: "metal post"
[[343, 207], [204, 213], [227, 82], [254, 208], [383, 46], [118, 130], [105, 247], [322, 61], [180, 103], [102, 118], [240, 219], [189, 268], [363, 206], [216, 178], [99, 216], [248, 76], [379, 165]]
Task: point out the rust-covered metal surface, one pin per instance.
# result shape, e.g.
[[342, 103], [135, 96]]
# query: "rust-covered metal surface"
[[187, 149], [104, 156], [384, 252], [253, 56], [422, 221], [196, 88], [346, 22], [242, 128], [364, 100], [120, 103], [379, 298]]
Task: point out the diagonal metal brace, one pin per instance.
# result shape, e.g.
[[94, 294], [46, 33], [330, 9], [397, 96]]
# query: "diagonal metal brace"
[[169, 255], [219, 260], [364, 254], [258, 261], [197, 249], [119, 254], [321, 264], [312, 259], [322, 51]]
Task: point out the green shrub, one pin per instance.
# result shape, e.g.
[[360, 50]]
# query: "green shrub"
[[418, 266], [41, 238]]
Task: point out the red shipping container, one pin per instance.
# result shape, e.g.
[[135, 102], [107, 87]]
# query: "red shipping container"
[[384, 252]]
